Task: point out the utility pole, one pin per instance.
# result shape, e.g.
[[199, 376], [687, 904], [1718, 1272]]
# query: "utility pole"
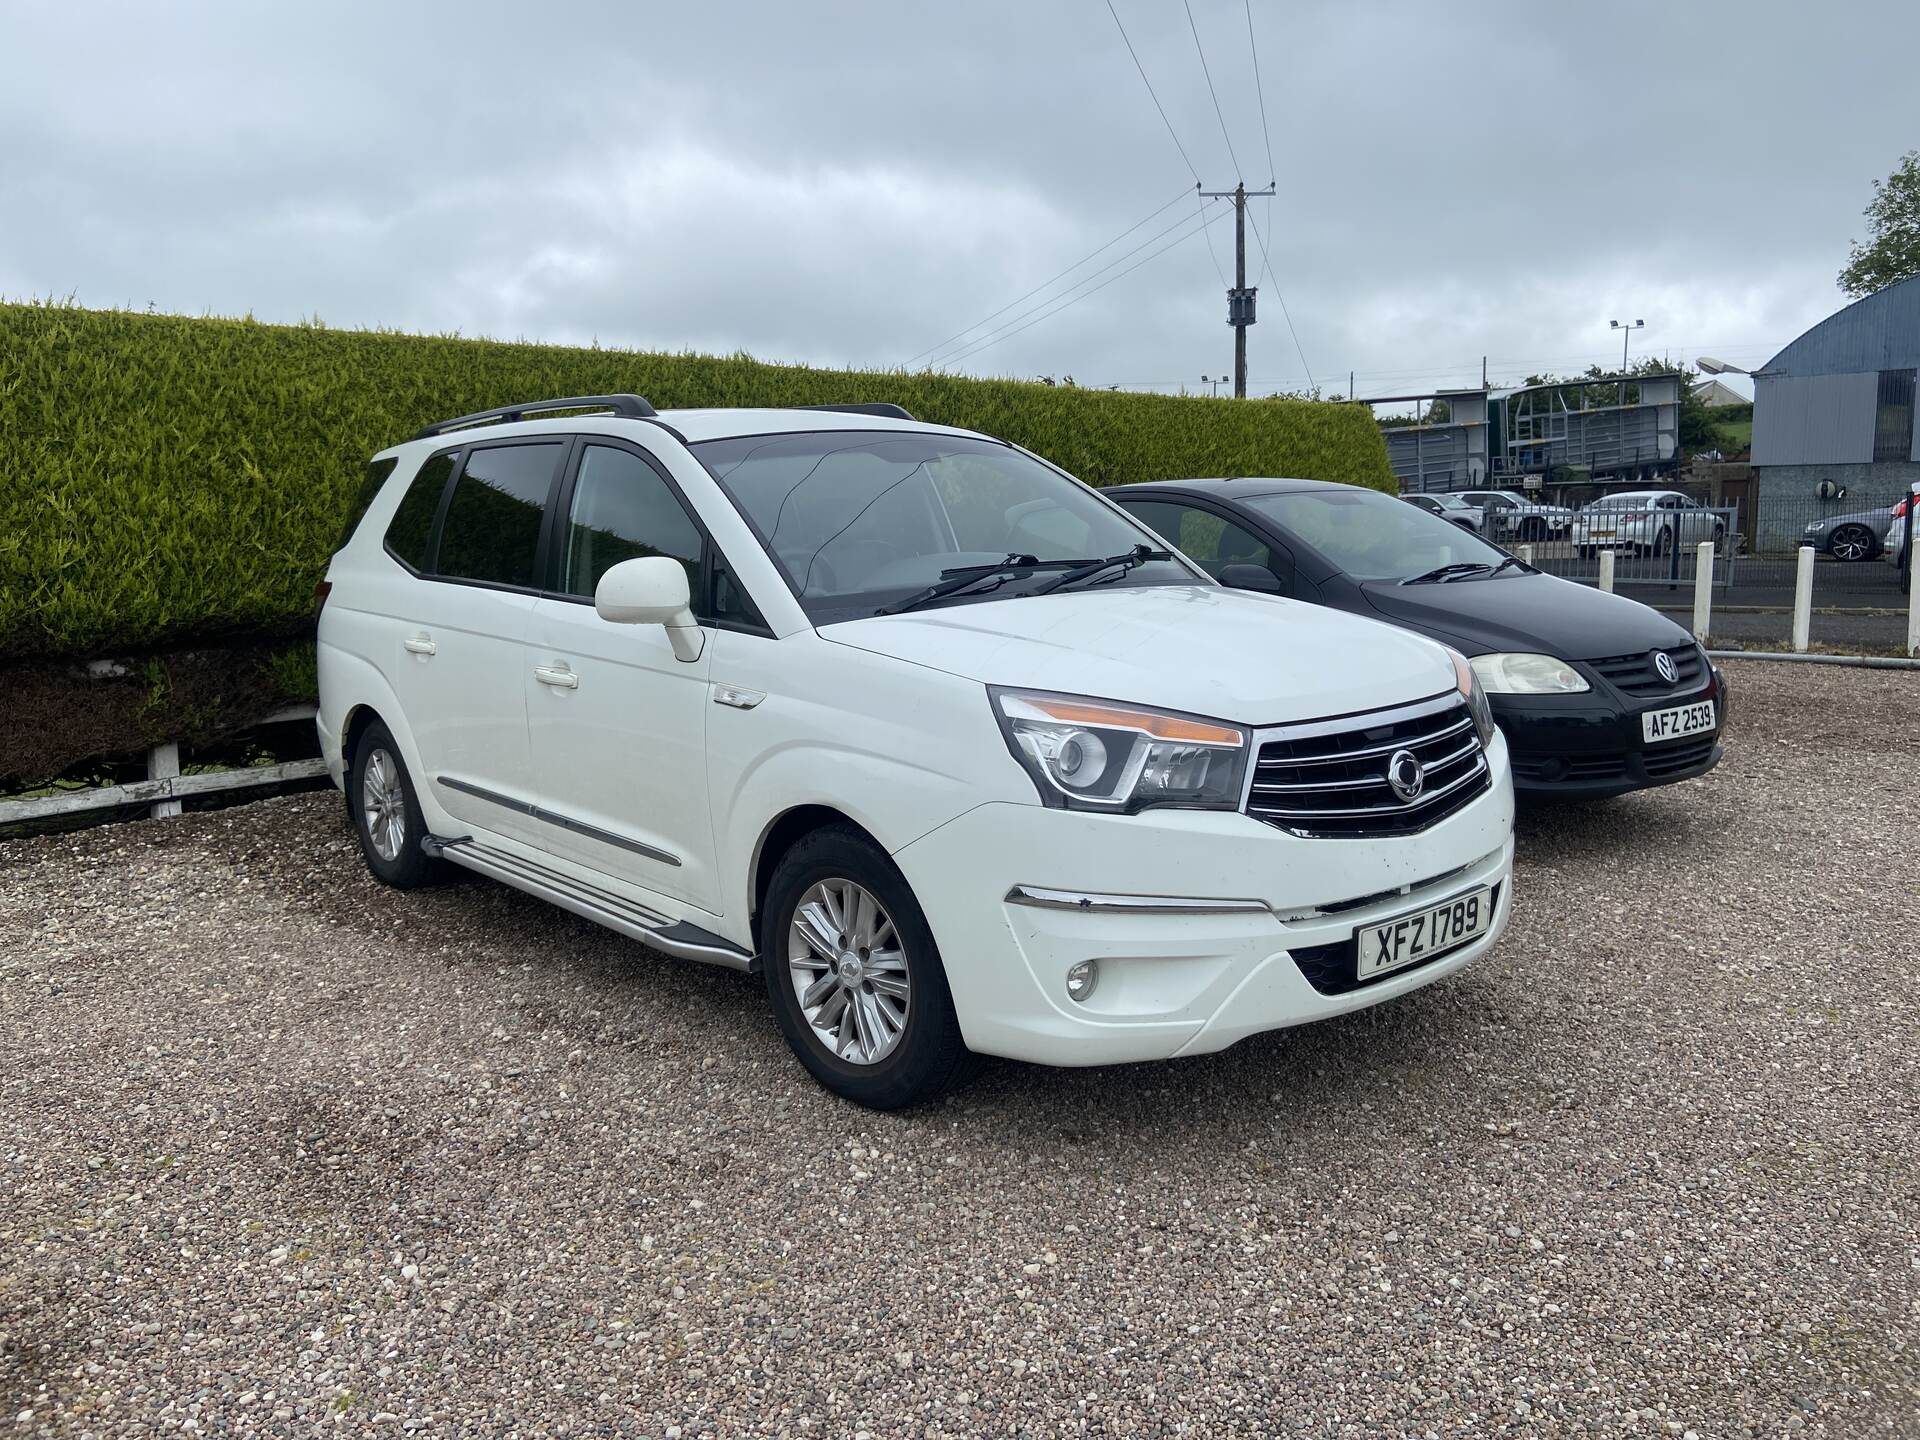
[[1239, 298]]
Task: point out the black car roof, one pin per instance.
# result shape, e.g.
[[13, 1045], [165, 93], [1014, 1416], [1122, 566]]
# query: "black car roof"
[[1237, 487]]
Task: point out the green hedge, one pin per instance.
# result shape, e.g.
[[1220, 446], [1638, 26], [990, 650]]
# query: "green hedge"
[[166, 480]]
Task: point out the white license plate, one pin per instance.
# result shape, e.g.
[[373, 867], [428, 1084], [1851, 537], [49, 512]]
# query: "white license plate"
[[1390, 944], [1681, 720]]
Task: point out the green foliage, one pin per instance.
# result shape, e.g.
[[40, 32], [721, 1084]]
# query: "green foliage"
[[166, 479], [1893, 219]]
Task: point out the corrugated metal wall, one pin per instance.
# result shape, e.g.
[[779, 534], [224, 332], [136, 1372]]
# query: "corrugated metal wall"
[[1814, 419], [1881, 332]]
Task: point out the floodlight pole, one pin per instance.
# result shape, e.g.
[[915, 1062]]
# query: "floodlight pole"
[[1625, 331]]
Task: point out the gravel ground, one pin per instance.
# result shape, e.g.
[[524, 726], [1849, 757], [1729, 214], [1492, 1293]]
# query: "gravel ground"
[[285, 1153]]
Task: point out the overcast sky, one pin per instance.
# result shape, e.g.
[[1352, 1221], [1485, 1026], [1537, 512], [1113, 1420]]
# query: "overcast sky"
[[852, 184]]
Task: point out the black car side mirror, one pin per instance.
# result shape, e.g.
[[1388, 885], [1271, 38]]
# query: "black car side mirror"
[[1257, 578]]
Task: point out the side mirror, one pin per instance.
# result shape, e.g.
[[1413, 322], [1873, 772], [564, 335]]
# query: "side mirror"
[[651, 591], [1257, 578]]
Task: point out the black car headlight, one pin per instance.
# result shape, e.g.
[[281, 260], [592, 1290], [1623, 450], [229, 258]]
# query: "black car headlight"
[[1519, 673], [1088, 754]]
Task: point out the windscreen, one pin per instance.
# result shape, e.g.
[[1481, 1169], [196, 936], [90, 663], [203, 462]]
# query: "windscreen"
[[860, 521], [1369, 536]]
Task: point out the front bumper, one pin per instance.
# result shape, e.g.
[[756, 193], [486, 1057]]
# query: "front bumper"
[[1174, 982], [1591, 746]]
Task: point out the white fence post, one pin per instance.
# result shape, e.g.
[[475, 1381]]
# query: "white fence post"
[[1702, 589], [1526, 554], [163, 763], [1606, 571], [1913, 612], [1803, 600]]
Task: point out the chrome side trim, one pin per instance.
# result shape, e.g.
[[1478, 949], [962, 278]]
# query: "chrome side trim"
[[553, 817], [681, 938], [1045, 899]]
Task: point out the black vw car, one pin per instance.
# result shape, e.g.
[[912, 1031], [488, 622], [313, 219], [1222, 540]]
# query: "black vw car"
[[1597, 694]]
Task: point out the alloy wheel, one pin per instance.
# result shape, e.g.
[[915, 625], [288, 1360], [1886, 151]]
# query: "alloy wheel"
[[1850, 542], [383, 805], [849, 971]]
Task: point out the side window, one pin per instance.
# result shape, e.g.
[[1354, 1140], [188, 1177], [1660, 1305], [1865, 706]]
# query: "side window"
[[412, 526], [623, 510], [492, 529], [1210, 540]]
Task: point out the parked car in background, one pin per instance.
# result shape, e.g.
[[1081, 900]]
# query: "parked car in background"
[[1449, 507], [1509, 515], [935, 737], [1854, 536], [1647, 522], [1597, 694]]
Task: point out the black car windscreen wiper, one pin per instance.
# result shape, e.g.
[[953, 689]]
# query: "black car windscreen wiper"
[[1087, 569], [1510, 560], [959, 577], [1444, 572]]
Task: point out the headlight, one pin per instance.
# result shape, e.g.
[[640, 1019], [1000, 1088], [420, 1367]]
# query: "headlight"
[[1087, 754], [1475, 697], [1815, 528], [1528, 675]]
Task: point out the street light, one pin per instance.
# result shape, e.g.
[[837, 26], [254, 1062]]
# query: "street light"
[[1216, 384], [1625, 330]]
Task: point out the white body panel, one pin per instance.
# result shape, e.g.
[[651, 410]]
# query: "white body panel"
[[646, 759]]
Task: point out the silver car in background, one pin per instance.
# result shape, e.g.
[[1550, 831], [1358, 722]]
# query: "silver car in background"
[[1647, 522], [1451, 508]]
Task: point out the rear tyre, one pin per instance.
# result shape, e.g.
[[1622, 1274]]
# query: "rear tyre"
[[1663, 542], [386, 813], [854, 977]]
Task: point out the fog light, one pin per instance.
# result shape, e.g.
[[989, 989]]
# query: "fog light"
[[1081, 978]]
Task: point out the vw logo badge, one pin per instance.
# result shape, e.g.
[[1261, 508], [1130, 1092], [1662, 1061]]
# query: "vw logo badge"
[[1406, 775], [1663, 662]]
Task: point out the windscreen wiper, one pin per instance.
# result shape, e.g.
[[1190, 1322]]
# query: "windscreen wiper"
[[1087, 569], [959, 577], [1444, 572], [1510, 560]]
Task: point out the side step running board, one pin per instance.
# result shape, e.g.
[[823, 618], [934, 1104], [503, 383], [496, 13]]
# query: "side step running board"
[[676, 937]]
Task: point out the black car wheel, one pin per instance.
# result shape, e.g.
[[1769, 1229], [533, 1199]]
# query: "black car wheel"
[[1851, 542]]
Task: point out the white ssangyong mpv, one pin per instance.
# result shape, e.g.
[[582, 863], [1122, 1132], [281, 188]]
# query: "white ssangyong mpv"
[[928, 731]]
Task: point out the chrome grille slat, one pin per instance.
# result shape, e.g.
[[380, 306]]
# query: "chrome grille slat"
[[1466, 722], [1315, 793]]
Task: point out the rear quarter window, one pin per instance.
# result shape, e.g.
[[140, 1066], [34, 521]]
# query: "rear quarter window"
[[376, 476], [411, 529], [492, 528]]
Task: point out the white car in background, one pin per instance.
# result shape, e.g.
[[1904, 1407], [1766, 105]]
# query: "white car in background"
[[1509, 515], [1648, 522], [940, 740]]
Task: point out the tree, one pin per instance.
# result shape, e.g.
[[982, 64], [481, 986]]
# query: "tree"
[[1893, 219]]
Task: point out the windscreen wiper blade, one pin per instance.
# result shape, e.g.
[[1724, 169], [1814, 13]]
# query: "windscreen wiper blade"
[[1510, 560], [959, 577], [1442, 572], [1087, 569]]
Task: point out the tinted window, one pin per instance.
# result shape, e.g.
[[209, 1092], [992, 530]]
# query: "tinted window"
[[1369, 536], [376, 476], [857, 521], [1209, 539], [623, 510], [412, 525], [492, 529]]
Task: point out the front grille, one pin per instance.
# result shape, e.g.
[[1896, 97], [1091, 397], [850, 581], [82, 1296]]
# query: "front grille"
[[1335, 969], [1636, 675], [1330, 780], [1672, 759]]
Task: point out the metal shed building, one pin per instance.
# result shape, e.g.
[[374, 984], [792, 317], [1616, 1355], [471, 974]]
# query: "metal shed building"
[[1838, 404]]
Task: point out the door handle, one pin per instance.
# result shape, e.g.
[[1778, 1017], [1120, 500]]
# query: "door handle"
[[420, 645], [558, 676]]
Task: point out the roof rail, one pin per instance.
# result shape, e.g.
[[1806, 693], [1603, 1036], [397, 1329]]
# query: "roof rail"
[[892, 412], [630, 406]]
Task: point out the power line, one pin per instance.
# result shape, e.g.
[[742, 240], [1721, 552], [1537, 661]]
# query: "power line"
[[1038, 288], [967, 347], [1065, 304], [1238, 174], [1187, 160], [1266, 134]]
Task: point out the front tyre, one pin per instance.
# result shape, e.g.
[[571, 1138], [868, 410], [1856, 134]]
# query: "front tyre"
[[854, 977], [386, 814]]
